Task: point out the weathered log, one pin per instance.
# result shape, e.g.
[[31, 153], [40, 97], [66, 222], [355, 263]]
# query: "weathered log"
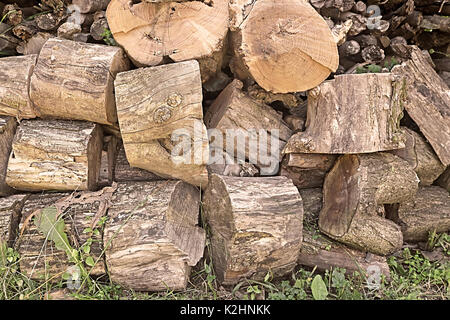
[[98, 28], [34, 44], [8, 127], [10, 214], [25, 30], [15, 74], [108, 160], [229, 167], [48, 21], [286, 46], [444, 180], [162, 125], [355, 191], [243, 244], [354, 113], [421, 157], [55, 155], [428, 211], [12, 14], [7, 40], [86, 6], [74, 80], [151, 238], [152, 32], [68, 29], [427, 101], [123, 172], [436, 22]]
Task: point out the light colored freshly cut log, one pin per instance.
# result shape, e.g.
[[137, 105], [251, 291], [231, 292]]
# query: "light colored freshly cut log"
[[421, 157], [428, 211], [444, 180], [161, 120], [15, 73], [75, 80], [256, 226], [86, 6], [323, 253], [285, 45], [152, 32], [355, 191], [55, 155], [353, 113], [235, 112], [8, 127], [10, 213], [151, 238], [428, 101]]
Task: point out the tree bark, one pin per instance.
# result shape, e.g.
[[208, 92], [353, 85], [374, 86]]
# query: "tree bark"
[[55, 155], [75, 80], [87, 6], [444, 180], [10, 213], [244, 245], [354, 113], [152, 244], [34, 44], [123, 172], [8, 127]]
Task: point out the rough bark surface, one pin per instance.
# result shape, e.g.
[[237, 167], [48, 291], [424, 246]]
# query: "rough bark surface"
[[124, 172], [244, 245], [10, 213], [152, 238], [444, 180], [8, 127], [86, 6]]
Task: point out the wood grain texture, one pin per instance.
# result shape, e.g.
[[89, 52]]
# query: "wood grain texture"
[[10, 214], [86, 6], [15, 74], [75, 80], [151, 238], [55, 155], [123, 172], [244, 244], [428, 101], [152, 105], [353, 113], [8, 127], [444, 180]]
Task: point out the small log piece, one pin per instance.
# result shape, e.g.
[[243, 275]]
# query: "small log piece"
[[10, 214], [108, 161], [123, 172], [15, 74], [55, 155], [151, 238], [354, 113], [355, 191], [444, 180], [157, 107], [87, 6], [75, 80], [244, 245], [8, 127]]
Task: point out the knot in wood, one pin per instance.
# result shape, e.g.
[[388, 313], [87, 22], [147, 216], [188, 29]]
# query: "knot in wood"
[[174, 100], [314, 93], [162, 114]]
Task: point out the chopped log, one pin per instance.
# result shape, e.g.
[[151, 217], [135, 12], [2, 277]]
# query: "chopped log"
[[287, 99], [152, 32], [48, 21], [427, 101], [8, 127], [151, 238], [243, 244], [123, 172], [75, 80], [10, 213], [25, 30], [428, 211], [319, 251], [295, 123], [15, 74], [421, 157], [354, 113], [355, 190], [157, 104], [55, 155], [285, 45], [372, 54], [98, 28], [303, 178], [86, 6], [229, 167], [436, 22], [108, 161], [34, 44], [13, 14], [68, 29], [7, 40]]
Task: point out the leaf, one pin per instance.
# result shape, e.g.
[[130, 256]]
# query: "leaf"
[[87, 249], [318, 288], [90, 261]]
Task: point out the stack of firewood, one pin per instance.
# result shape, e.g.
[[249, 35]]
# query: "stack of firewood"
[[116, 140]]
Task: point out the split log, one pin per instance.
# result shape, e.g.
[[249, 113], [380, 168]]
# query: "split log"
[[161, 120], [8, 127], [421, 157], [15, 74], [236, 115], [285, 45], [34, 44], [444, 180], [428, 211], [123, 172], [13, 14], [244, 245], [55, 155], [318, 251], [229, 167], [86, 6], [354, 113], [10, 213], [98, 28], [152, 32], [48, 21], [151, 238], [7, 40], [108, 161], [68, 29], [25, 30], [75, 80], [427, 101], [355, 191]]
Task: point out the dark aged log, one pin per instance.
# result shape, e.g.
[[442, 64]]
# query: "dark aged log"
[[7, 40], [86, 6], [98, 28], [34, 44], [244, 245], [74, 80], [10, 213], [123, 172], [444, 179], [325, 254], [15, 74], [421, 157], [108, 161], [427, 101], [25, 30], [55, 155], [162, 125], [428, 211], [12, 14], [355, 191], [8, 127], [152, 239], [341, 115]]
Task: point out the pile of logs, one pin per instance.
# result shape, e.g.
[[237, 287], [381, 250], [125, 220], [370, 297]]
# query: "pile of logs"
[[113, 115]]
